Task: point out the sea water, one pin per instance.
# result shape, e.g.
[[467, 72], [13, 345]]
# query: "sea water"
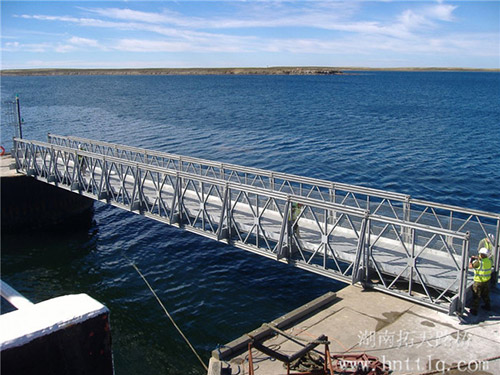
[[432, 135]]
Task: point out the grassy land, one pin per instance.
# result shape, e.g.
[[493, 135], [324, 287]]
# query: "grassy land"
[[222, 71]]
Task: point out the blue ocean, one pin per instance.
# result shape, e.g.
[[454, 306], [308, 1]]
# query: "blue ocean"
[[432, 135]]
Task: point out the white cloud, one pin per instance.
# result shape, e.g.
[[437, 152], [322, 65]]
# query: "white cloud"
[[26, 47], [13, 45], [138, 45], [77, 41], [63, 48], [442, 12], [231, 45], [134, 15]]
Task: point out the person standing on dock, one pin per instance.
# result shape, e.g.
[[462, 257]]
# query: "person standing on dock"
[[482, 274]]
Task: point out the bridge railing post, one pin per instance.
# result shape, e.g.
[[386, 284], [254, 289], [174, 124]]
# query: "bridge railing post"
[[407, 217], [31, 167], [176, 210], [496, 256], [360, 266], [284, 251], [412, 260], [462, 293], [137, 199], [15, 151], [224, 228], [332, 192], [367, 250], [76, 180]]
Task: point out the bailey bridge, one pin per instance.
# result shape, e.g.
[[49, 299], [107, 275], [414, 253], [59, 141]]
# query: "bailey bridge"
[[411, 248]]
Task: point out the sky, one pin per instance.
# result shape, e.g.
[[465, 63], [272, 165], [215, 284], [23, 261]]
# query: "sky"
[[183, 34]]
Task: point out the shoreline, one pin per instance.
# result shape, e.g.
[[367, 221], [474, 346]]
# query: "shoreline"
[[175, 71], [224, 71]]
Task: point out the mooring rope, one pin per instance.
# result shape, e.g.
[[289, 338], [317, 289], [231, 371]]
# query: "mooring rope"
[[167, 313]]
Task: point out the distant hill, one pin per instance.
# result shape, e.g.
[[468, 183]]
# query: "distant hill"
[[176, 71], [225, 71]]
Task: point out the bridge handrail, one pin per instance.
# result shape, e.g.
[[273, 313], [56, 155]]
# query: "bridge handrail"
[[243, 169], [251, 189], [280, 175]]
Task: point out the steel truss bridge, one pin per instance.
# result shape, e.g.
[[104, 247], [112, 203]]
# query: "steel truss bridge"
[[391, 242]]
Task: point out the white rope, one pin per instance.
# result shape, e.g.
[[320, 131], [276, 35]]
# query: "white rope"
[[167, 313]]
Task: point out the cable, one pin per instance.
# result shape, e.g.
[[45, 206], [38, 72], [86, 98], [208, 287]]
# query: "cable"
[[167, 313]]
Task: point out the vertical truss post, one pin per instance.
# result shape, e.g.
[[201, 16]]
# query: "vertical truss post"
[[221, 171], [325, 236], [75, 176], [332, 193], [30, 154], [367, 250], [223, 231], [496, 256], [105, 185], [413, 262], [180, 184], [52, 172], [406, 217], [462, 293], [450, 227], [357, 270], [173, 217], [16, 154], [137, 201], [284, 251]]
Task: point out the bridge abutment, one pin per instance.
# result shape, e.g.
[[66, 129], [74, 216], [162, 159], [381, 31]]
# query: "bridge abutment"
[[30, 204]]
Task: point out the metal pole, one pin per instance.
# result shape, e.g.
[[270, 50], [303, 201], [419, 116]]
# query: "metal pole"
[[463, 274], [19, 119], [412, 267], [496, 255], [368, 250]]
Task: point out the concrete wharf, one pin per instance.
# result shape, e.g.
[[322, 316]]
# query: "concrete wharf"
[[390, 242], [409, 338]]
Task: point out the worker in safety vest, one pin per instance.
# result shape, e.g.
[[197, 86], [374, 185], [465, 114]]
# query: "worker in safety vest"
[[482, 275]]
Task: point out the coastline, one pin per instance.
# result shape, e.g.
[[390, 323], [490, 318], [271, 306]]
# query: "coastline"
[[225, 71], [175, 71]]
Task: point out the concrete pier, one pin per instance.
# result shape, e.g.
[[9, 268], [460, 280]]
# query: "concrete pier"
[[27, 203], [409, 338], [64, 335]]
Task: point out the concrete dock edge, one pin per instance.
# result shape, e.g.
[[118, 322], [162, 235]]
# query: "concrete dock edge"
[[239, 345]]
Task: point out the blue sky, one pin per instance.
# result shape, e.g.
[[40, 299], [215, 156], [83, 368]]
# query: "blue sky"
[[129, 34]]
